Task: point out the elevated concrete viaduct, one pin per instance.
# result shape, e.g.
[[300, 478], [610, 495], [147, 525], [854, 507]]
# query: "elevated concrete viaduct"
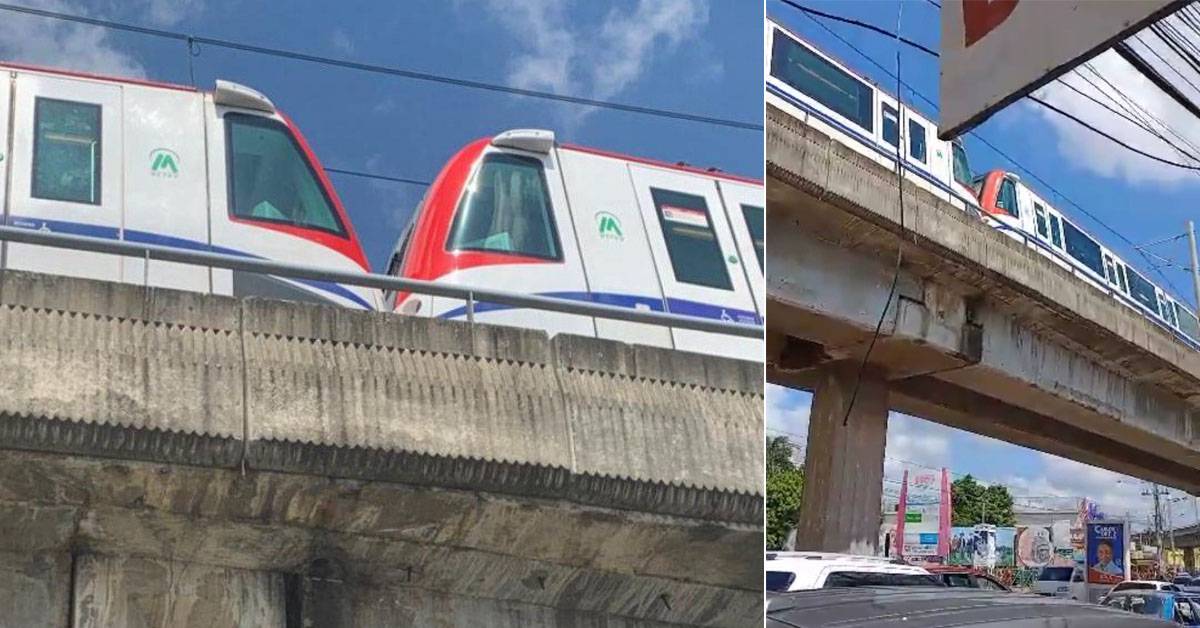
[[175, 459], [983, 334]]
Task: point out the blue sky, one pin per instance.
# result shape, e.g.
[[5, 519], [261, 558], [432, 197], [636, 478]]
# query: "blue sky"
[[1141, 200], [689, 55]]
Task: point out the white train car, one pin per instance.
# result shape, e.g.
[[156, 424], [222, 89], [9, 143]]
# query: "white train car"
[[829, 96], [522, 213], [1014, 208], [221, 171]]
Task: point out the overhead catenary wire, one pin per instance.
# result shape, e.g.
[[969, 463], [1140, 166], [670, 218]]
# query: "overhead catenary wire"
[[891, 293], [387, 70], [379, 177], [995, 148]]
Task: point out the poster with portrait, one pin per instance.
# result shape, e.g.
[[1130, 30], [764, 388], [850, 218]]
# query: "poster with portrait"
[[1106, 560]]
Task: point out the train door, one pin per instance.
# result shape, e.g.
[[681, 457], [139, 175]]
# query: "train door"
[[744, 206], [166, 200], [66, 171], [696, 258], [613, 244], [1114, 273]]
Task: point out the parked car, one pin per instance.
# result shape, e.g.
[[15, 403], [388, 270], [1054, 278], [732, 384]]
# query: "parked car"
[[1145, 585], [967, 577], [1181, 608], [795, 571], [1061, 582], [943, 607]]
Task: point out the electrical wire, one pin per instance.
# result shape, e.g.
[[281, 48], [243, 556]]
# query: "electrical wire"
[[861, 24], [887, 304], [387, 70], [1109, 136], [380, 177]]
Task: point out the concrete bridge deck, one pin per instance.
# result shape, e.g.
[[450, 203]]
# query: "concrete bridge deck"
[[190, 460], [984, 334]]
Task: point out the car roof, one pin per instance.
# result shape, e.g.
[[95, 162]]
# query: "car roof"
[[917, 607], [813, 561]]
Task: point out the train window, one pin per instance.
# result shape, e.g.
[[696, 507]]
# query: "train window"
[[1188, 323], [692, 244], [507, 210], [962, 169], [66, 151], [1006, 199], [916, 140], [1143, 291], [890, 127], [1039, 214], [1055, 231], [270, 180], [794, 64], [754, 224], [1082, 248]]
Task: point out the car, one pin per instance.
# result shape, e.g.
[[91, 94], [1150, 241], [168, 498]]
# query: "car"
[[1181, 608], [1145, 585], [944, 607], [1060, 581], [1182, 578], [795, 571], [968, 577]]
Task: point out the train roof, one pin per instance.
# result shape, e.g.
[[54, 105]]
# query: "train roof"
[[224, 92]]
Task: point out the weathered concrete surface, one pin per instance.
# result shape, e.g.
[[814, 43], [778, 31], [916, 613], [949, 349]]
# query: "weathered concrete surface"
[[843, 478], [245, 444], [35, 589], [982, 333]]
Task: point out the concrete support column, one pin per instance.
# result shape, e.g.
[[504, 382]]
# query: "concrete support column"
[[1189, 559], [35, 589], [843, 467]]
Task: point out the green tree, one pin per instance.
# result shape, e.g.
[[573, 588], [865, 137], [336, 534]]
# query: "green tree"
[[975, 503], [785, 485]]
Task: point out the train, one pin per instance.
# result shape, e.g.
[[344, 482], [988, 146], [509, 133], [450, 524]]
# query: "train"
[[521, 212], [154, 163], [1012, 207], [826, 94]]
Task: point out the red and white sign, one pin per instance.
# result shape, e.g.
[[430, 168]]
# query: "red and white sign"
[[997, 51], [685, 215]]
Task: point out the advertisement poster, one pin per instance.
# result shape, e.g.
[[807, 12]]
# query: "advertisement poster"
[[1105, 553], [970, 548], [924, 504], [1005, 547], [1047, 545]]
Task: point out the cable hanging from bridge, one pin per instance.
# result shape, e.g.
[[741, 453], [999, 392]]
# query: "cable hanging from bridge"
[[388, 70], [1000, 152]]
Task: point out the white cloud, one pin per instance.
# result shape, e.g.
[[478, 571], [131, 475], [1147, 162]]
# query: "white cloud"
[[165, 12], [59, 44], [594, 60], [1089, 151], [341, 41]]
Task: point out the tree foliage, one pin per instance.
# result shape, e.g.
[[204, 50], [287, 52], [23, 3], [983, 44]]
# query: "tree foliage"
[[785, 485], [975, 503]]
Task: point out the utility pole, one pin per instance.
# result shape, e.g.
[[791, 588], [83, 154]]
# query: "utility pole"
[[1158, 531], [1195, 263]]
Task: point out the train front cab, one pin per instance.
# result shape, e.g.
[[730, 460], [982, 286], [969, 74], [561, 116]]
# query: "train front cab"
[[171, 166], [521, 214]]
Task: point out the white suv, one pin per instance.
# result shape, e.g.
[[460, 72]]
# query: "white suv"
[[795, 571]]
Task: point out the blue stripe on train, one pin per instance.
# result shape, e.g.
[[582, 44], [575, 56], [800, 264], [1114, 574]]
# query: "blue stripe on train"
[[630, 301], [146, 237]]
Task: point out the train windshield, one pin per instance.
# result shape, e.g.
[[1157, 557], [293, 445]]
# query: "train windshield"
[[507, 210], [270, 180], [962, 169]]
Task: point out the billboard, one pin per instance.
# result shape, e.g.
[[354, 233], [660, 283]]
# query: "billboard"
[[997, 51], [1107, 562], [982, 546], [923, 514], [1046, 545]]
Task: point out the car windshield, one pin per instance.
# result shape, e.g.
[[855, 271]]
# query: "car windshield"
[[1058, 574], [780, 580], [875, 579]]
